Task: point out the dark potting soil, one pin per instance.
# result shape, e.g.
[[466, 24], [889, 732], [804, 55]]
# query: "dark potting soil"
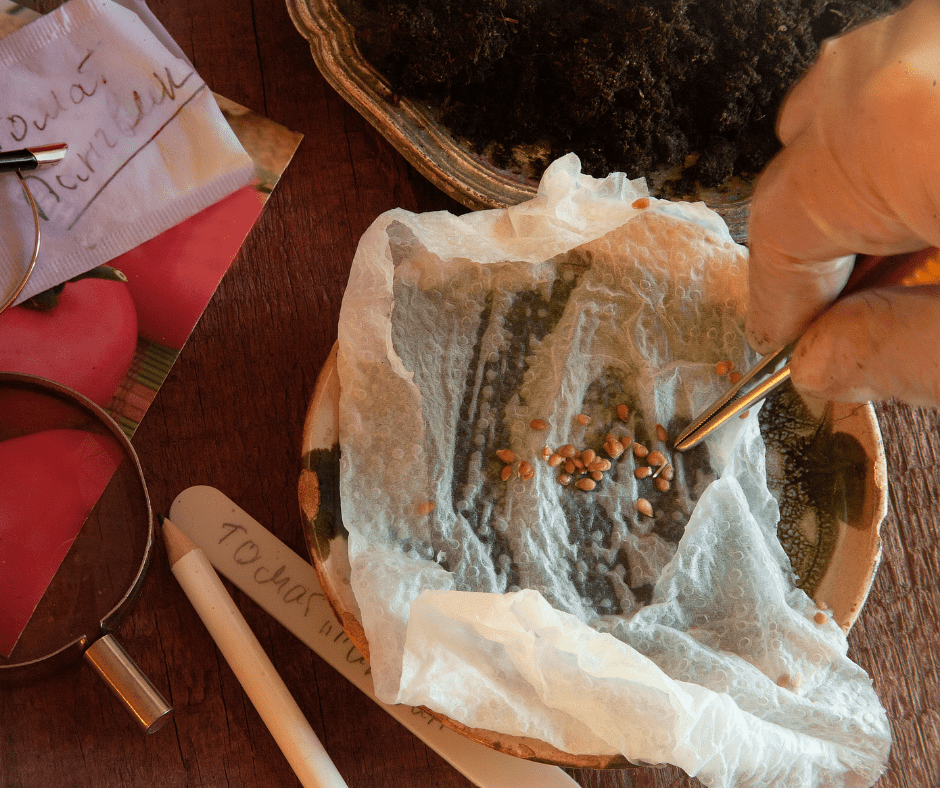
[[635, 86]]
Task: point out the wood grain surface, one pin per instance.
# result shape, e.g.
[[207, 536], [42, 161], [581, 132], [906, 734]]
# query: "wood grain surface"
[[230, 415]]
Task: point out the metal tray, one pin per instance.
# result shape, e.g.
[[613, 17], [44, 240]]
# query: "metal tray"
[[450, 163]]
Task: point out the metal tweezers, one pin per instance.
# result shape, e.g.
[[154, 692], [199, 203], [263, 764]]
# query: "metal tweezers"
[[907, 270], [763, 378]]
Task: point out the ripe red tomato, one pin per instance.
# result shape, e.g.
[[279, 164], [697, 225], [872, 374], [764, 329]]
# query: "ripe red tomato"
[[51, 481], [85, 342], [173, 276]]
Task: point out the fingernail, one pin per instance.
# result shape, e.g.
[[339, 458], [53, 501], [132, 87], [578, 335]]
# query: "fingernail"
[[757, 336]]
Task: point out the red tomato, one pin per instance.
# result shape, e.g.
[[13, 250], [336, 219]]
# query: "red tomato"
[[85, 342], [173, 276], [51, 481]]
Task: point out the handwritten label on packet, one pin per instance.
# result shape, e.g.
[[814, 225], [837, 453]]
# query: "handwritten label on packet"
[[123, 121], [147, 146], [286, 586]]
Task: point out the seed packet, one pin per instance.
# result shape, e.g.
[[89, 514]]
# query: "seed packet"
[[148, 146]]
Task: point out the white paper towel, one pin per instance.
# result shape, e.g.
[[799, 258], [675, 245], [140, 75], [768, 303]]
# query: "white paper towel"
[[526, 607]]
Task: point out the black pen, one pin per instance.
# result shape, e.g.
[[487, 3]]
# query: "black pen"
[[32, 158]]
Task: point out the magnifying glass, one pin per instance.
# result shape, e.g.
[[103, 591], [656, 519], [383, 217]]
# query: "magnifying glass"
[[74, 507]]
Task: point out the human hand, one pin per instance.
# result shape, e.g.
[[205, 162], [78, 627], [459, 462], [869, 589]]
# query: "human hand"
[[859, 173]]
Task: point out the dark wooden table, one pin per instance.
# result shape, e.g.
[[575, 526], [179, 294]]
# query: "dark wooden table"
[[230, 415]]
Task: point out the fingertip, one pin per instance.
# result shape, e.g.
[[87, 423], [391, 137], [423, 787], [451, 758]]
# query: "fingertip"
[[873, 345], [819, 364]]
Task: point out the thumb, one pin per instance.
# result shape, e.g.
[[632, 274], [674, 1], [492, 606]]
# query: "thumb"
[[873, 345]]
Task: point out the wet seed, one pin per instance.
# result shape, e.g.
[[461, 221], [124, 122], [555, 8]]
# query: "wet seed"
[[585, 484], [644, 507], [722, 368], [662, 485], [506, 455], [506, 473], [526, 471], [623, 412], [567, 450], [555, 460], [820, 618], [538, 424], [640, 450], [426, 508], [642, 472], [614, 448], [734, 377], [587, 456], [661, 433], [564, 478], [584, 419], [668, 473], [570, 467], [656, 458]]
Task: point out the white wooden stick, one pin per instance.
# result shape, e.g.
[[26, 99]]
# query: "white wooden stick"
[[251, 666]]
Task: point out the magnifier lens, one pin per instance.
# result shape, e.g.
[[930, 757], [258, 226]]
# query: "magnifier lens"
[[67, 472]]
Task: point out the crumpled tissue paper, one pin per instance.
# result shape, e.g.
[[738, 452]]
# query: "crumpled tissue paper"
[[528, 607]]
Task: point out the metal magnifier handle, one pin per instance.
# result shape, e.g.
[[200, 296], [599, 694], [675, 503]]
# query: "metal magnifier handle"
[[111, 662], [128, 683]]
